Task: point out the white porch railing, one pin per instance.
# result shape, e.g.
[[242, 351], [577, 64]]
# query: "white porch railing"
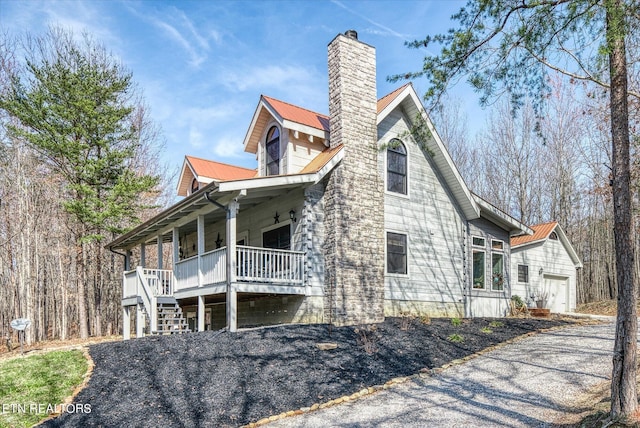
[[214, 266], [186, 272], [267, 265], [148, 285], [254, 264]]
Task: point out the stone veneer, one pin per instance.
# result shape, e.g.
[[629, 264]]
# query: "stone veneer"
[[354, 198]]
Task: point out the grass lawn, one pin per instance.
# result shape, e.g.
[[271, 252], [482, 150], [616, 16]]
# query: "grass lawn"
[[28, 385]]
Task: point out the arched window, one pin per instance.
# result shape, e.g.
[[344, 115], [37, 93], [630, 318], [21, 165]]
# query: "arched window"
[[195, 185], [272, 161], [397, 167], [553, 236]]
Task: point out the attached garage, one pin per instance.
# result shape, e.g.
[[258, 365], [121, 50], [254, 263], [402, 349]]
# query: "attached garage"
[[543, 268]]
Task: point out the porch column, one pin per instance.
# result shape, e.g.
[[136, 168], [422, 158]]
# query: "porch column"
[[200, 313], [140, 321], [126, 323], [175, 238], [143, 255], [232, 301], [159, 242], [200, 225]]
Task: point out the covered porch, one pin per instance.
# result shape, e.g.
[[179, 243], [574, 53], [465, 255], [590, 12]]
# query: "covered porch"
[[209, 259]]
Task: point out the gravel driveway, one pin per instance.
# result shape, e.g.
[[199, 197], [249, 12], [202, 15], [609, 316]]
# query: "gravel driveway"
[[529, 383]]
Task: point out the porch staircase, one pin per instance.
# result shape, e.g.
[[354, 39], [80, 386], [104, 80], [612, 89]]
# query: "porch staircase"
[[170, 318]]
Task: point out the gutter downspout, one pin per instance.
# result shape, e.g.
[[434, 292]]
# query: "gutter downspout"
[[231, 298], [126, 258]]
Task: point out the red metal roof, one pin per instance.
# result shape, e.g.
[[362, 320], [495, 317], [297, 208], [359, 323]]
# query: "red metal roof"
[[219, 170], [298, 114], [540, 232], [321, 160], [387, 99], [316, 120]]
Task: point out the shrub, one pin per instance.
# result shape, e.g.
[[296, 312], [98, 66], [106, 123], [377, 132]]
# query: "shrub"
[[456, 338], [496, 324], [517, 302], [486, 330], [456, 321]]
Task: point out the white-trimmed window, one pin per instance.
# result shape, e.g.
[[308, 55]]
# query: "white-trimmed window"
[[397, 167], [523, 274], [272, 151], [477, 241], [497, 245], [478, 270], [278, 237], [497, 271], [396, 253]]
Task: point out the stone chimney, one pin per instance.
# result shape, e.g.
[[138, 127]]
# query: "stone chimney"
[[354, 205]]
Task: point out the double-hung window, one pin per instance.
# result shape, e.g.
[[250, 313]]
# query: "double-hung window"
[[396, 253]]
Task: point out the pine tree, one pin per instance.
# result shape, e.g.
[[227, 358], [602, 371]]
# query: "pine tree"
[[75, 104]]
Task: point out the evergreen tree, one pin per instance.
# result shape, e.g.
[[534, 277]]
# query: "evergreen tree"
[[75, 104]]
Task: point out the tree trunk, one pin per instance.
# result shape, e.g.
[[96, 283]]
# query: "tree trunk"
[[81, 277], [624, 402]]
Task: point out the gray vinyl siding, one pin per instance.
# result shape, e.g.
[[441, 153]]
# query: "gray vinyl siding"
[[550, 256], [430, 218], [486, 302]]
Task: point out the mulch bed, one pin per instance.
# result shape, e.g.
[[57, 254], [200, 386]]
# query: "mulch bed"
[[222, 379]]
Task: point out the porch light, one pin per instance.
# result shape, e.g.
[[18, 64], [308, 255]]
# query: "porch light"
[[218, 241], [292, 215], [540, 271], [276, 218]]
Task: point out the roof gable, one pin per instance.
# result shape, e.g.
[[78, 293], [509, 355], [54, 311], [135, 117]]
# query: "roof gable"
[[407, 99], [541, 235], [288, 116], [206, 171]]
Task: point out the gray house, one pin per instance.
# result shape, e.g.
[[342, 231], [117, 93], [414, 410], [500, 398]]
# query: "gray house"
[[348, 218]]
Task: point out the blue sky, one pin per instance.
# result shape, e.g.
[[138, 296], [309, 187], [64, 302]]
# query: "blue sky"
[[202, 65]]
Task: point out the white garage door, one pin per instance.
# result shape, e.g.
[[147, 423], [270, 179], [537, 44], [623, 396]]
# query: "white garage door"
[[557, 289]]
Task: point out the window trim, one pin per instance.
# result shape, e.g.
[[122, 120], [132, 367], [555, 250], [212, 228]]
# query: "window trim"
[[497, 241], [484, 268], [386, 170], [386, 253], [526, 273], [473, 244], [266, 151], [501, 254], [269, 228]]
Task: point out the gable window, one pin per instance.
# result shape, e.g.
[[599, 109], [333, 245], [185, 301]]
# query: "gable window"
[[497, 267], [523, 274], [553, 236], [478, 270], [279, 238], [397, 167], [273, 151], [195, 185], [396, 253]]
